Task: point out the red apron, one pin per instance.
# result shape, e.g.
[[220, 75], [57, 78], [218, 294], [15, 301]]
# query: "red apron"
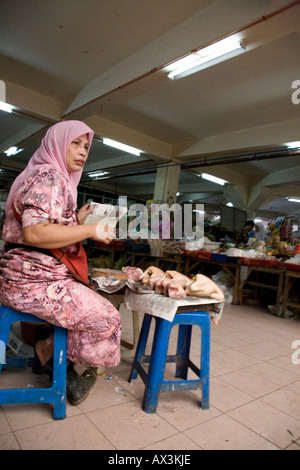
[[77, 264]]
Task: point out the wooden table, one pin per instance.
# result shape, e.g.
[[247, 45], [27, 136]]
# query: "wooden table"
[[290, 279], [163, 262], [258, 283]]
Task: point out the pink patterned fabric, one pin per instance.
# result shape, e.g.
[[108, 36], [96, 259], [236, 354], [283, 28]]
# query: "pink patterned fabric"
[[33, 282]]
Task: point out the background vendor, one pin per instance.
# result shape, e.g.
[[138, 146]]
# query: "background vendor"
[[242, 237]]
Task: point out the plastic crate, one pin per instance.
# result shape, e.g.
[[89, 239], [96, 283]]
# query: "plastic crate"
[[191, 253], [269, 263], [202, 254], [117, 245], [219, 256], [136, 247], [292, 267]]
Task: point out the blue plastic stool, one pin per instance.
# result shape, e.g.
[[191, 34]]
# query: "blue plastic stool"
[[56, 394], [154, 379]]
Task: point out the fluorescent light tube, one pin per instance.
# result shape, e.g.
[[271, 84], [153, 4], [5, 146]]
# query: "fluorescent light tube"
[[94, 174], [293, 145], [12, 151], [5, 107], [120, 146], [214, 179], [292, 199], [199, 212], [203, 58]]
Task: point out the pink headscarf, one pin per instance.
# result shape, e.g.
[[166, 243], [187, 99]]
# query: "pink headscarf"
[[52, 151]]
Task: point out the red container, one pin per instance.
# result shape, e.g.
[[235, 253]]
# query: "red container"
[[252, 261], [202, 254], [270, 263], [191, 253], [273, 263], [293, 267], [297, 250]]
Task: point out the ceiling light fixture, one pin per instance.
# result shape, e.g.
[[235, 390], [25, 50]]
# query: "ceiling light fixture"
[[199, 212], [120, 146], [212, 178], [206, 57], [293, 199], [12, 151], [6, 107], [229, 204], [293, 145], [95, 174]]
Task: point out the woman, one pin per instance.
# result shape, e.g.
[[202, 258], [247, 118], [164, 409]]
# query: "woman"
[[41, 226], [242, 237], [259, 231]]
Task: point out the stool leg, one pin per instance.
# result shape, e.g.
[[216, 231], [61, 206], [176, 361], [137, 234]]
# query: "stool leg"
[[60, 373], [141, 346], [204, 371], [157, 365], [183, 351]]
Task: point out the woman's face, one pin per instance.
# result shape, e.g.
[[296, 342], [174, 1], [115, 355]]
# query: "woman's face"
[[77, 153]]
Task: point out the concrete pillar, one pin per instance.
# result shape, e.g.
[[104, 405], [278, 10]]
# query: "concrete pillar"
[[166, 183]]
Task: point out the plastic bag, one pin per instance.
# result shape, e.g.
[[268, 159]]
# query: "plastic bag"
[[225, 283]]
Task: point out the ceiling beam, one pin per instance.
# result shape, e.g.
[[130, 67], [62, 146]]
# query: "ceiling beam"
[[126, 79]]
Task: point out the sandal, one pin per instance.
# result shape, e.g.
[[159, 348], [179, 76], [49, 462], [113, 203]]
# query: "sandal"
[[78, 387]]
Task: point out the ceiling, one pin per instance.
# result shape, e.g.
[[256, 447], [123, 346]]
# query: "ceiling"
[[103, 62]]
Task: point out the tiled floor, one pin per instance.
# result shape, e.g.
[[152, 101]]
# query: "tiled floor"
[[254, 398]]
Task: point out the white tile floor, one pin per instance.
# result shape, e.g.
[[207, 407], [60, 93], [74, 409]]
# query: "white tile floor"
[[254, 398]]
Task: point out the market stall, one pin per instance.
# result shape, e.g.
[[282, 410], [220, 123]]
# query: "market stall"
[[263, 278], [259, 273]]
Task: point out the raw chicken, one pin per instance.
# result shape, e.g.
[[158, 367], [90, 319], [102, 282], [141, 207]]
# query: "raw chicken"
[[204, 287], [151, 271], [133, 274], [169, 283], [176, 291], [158, 287], [174, 284]]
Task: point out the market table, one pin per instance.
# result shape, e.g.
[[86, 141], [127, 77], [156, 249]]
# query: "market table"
[[290, 279], [189, 262], [279, 272]]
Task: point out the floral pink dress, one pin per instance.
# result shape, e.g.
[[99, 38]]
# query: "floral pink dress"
[[33, 282]]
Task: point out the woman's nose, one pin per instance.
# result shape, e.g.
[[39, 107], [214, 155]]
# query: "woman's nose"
[[83, 150]]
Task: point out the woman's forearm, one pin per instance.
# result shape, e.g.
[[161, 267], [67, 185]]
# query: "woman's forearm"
[[57, 236]]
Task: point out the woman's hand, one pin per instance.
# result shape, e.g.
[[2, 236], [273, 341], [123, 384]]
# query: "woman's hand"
[[104, 233], [83, 213]]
